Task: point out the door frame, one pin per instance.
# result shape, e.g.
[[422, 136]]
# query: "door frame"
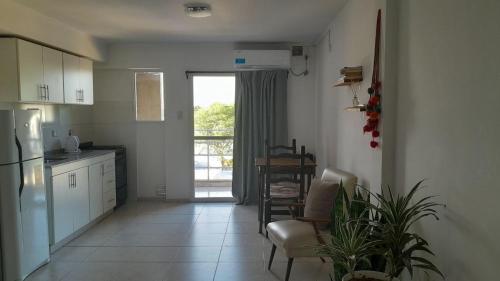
[[190, 76]]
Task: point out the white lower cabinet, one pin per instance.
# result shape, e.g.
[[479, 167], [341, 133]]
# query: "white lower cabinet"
[[81, 193], [70, 202], [61, 198], [102, 189], [96, 172]]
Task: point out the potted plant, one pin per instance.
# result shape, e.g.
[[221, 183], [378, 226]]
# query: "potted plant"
[[351, 247], [396, 214], [386, 236]]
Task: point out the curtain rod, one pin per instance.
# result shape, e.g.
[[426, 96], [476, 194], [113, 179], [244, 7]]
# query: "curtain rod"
[[189, 72]]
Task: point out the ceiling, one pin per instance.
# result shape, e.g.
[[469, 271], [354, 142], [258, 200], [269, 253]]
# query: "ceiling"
[[165, 20]]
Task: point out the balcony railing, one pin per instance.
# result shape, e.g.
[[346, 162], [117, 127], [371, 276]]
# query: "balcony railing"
[[213, 158]]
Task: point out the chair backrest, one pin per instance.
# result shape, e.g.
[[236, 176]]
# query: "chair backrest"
[[276, 173], [274, 155], [281, 149], [349, 181]]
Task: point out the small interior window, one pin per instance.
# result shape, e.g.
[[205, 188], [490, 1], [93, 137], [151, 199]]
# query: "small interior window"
[[149, 96]]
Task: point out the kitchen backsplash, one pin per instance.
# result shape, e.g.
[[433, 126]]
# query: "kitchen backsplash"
[[57, 120]]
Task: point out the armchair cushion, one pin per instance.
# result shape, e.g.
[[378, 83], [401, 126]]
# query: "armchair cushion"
[[295, 238], [320, 199]]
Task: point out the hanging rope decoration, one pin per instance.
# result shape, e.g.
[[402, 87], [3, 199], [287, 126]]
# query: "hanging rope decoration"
[[374, 106]]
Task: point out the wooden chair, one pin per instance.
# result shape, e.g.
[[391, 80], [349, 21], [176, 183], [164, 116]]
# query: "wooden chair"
[[283, 184], [282, 150]]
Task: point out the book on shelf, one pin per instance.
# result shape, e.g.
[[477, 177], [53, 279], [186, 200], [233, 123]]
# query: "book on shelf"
[[352, 70], [350, 78]]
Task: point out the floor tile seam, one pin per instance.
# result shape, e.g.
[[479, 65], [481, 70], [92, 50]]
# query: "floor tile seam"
[[220, 252]]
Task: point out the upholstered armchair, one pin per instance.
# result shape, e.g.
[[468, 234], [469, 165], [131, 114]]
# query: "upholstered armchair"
[[302, 236]]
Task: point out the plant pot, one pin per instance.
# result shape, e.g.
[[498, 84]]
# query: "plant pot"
[[368, 275]]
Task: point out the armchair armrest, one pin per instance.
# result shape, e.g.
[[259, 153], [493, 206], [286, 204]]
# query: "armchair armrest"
[[294, 207], [315, 222]]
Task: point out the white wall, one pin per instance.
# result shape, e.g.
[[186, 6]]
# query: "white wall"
[[348, 41], [164, 150], [448, 127], [16, 19]]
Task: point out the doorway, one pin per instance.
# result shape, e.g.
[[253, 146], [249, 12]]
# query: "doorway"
[[213, 112]]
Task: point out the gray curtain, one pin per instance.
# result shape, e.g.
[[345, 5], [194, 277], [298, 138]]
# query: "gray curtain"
[[261, 113]]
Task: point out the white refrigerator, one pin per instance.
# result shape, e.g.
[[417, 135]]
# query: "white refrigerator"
[[23, 202]]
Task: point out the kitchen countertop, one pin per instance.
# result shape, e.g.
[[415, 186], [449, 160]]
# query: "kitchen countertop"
[[71, 157]]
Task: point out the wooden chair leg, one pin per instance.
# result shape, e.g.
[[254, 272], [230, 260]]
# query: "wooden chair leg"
[[267, 212], [288, 268], [273, 250]]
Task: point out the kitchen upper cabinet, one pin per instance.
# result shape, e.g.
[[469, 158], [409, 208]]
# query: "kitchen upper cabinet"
[[78, 80], [87, 81], [96, 172], [53, 75], [33, 73], [70, 192], [30, 58], [40, 73]]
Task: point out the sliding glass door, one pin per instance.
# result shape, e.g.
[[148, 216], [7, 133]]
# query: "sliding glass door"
[[213, 112]]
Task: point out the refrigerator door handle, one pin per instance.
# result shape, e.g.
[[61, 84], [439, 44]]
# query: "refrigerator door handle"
[[21, 170]]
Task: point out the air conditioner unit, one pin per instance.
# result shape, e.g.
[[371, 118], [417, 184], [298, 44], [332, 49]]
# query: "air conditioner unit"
[[262, 59]]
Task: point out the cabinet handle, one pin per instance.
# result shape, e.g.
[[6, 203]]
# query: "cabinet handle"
[[48, 92], [70, 181], [43, 95]]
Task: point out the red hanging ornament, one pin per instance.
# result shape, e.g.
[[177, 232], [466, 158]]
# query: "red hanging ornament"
[[374, 105]]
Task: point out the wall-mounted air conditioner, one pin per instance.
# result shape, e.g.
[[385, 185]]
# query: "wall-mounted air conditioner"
[[262, 59]]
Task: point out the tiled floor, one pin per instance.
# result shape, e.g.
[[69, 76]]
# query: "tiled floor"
[[175, 242]]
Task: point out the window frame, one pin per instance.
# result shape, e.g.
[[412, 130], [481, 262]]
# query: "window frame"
[[162, 96]]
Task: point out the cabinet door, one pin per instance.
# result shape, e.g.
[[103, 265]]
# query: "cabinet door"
[[95, 190], [30, 59], [53, 75], [62, 206], [71, 73], [81, 198], [86, 81]]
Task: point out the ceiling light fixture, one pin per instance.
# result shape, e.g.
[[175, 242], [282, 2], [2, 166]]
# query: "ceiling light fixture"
[[197, 10]]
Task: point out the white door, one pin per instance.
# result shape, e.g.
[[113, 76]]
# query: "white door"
[[86, 81], [53, 75], [62, 205], [30, 72], [81, 198], [95, 190], [71, 71]]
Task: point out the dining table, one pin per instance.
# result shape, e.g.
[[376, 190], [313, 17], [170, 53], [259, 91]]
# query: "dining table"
[[292, 164]]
